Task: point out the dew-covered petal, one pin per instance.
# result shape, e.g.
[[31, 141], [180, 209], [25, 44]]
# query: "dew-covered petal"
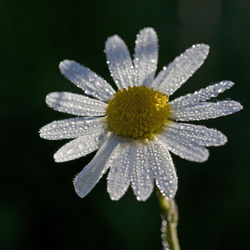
[[163, 168], [196, 133], [119, 62], [184, 147], [87, 80], [141, 177], [119, 163], [204, 110], [176, 73], [71, 128], [75, 104], [145, 57], [203, 94], [80, 146], [85, 181]]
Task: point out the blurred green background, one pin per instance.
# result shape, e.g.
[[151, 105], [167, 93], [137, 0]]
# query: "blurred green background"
[[39, 208]]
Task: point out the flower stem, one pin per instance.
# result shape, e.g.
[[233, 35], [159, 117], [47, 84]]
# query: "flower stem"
[[169, 216]]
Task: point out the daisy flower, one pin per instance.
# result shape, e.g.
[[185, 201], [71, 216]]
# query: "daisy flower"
[[135, 127]]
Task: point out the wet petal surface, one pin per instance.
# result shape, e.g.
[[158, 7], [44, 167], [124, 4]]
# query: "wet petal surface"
[[119, 62], [75, 104], [163, 168], [85, 181], [142, 175], [184, 147], [120, 164], [204, 110], [71, 128], [196, 133], [177, 72], [79, 147], [203, 94], [87, 80], [145, 57]]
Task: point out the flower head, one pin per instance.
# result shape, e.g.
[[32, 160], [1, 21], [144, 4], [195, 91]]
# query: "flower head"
[[137, 112], [134, 128]]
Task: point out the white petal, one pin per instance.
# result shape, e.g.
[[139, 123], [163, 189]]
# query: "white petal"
[[203, 94], [163, 168], [176, 73], [71, 128], [80, 147], [183, 146], [75, 104], [87, 80], [120, 168], [146, 56], [119, 62], [142, 176], [204, 110], [92, 173], [198, 134]]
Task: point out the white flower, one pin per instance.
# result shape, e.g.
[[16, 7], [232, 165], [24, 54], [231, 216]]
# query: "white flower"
[[135, 128]]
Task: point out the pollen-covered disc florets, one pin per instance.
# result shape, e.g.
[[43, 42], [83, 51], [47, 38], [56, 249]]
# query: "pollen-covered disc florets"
[[137, 112]]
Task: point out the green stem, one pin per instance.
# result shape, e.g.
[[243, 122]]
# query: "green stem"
[[169, 223]]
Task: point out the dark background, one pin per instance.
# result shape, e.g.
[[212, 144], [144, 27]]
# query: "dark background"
[[39, 208]]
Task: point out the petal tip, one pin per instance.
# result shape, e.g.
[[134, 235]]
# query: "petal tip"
[[56, 158], [240, 106], [65, 65], [112, 38], [147, 29], [204, 158], [76, 187], [114, 198], [49, 99], [203, 48], [236, 106], [141, 198], [229, 83], [59, 157], [41, 132], [224, 140]]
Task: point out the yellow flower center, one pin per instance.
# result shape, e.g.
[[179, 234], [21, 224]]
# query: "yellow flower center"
[[137, 112]]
